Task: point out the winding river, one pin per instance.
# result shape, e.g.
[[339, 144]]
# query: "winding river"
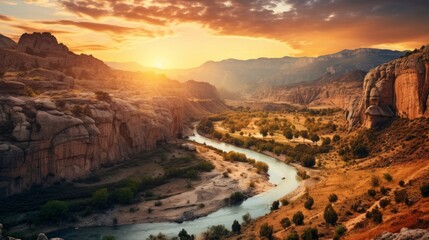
[[281, 174]]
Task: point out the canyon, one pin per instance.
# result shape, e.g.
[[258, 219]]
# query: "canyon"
[[61, 117]]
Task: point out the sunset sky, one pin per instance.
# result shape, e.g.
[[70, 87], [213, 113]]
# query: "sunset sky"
[[186, 33]]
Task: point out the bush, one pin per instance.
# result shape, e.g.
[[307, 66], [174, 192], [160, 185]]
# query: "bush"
[[292, 236], [330, 215], [262, 167], [54, 211], [266, 231], [275, 205], [376, 215], [375, 181], [384, 202], [340, 230], [216, 232], [309, 203], [387, 177], [384, 190], [236, 198], [402, 183], [183, 235], [308, 160], [401, 196], [247, 218], [298, 218], [425, 190], [336, 138], [360, 151], [123, 195], [236, 227], [310, 234], [333, 198], [100, 198], [285, 222], [371, 192], [285, 202]]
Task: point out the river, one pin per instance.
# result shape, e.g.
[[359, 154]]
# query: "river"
[[280, 174]]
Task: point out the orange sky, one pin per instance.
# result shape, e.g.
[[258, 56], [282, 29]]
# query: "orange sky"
[[185, 33]]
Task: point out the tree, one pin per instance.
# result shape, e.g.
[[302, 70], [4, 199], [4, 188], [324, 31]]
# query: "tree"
[[340, 230], [298, 218], [308, 160], [293, 236], [236, 227], [288, 134], [263, 132], [333, 198], [326, 141], [216, 232], [296, 134], [315, 138], [285, 222], [310, 234], [336, 138], [247, 218], [236, 198], [100, 198], [275, 205], [54, 210], [309, 203], [330, 215], [376, 215], [266, 231], [304, 134], [123, 195], [183, 235]]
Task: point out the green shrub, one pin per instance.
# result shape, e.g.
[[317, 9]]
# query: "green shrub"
[[376, 215], [310, 234], [275, 205], [284, 202], [340, 230], [309, 203], [123, 195], [402, 183], [216, 232], [54, 211], [100, 198], [298, 218], [266, 231], [401, 196], [330, 215], [285, 222], [375, 181], [371, 192], [293, 235], [387, 177], [384, 202], [262, 167], [308, 160], [336, 138], [236, 198], [333, 198], [236, 227], [247, 218], [183, 235], [157, 203]]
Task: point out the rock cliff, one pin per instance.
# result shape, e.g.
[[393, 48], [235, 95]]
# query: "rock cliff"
[[399, 87], [331, 90]]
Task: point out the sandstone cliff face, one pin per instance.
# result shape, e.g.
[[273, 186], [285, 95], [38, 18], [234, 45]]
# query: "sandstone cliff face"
[[330, 90], [42, 143], [398, 87]]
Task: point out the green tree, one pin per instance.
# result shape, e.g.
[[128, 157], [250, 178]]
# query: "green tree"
[[315, 138], [236, 227], [308, 160], [216, 232], [247, 218], [310, 234], [293, 235], [183, 235], [285, 222], [288, 134], [425, 190], [309, 203], [100, 198], [275, 205], [298, 218], [340, 230], [304, 134], [54, 210], [266, 231], [123, 195], [330, 215], [336, 138], [263, 132]]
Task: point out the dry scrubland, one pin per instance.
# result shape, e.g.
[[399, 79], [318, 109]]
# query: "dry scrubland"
[[382, 169]]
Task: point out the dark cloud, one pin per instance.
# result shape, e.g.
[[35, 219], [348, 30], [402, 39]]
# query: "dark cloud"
[[312, 24]]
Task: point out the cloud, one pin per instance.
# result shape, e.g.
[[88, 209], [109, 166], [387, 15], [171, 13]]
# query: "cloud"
[[5, 18], [89, 47], [34, 29], [313, 26]]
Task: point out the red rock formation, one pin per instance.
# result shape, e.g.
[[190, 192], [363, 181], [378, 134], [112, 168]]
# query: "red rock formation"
[[400, 86]]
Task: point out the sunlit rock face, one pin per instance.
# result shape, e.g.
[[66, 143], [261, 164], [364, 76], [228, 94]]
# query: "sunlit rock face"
[[399, 87], [42, 143]]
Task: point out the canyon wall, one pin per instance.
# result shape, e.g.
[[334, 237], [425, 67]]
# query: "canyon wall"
[[42, 143], [339, 91], [399, 87]]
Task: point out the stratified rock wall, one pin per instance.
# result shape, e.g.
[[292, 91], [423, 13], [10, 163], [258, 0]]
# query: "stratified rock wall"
[[42, 143], [400, 86]]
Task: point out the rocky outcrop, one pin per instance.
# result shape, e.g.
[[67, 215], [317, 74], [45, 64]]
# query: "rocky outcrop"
[[42, 143], [6, 42], [331, 90], [405, 234], [399, 87], [40, 44]]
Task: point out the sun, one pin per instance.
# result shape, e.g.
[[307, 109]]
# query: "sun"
[[159, 65]]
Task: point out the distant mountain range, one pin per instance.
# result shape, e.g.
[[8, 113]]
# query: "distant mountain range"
[[247, 76]]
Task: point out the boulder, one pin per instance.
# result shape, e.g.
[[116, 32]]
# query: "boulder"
[[12, 88], [42, 236]]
